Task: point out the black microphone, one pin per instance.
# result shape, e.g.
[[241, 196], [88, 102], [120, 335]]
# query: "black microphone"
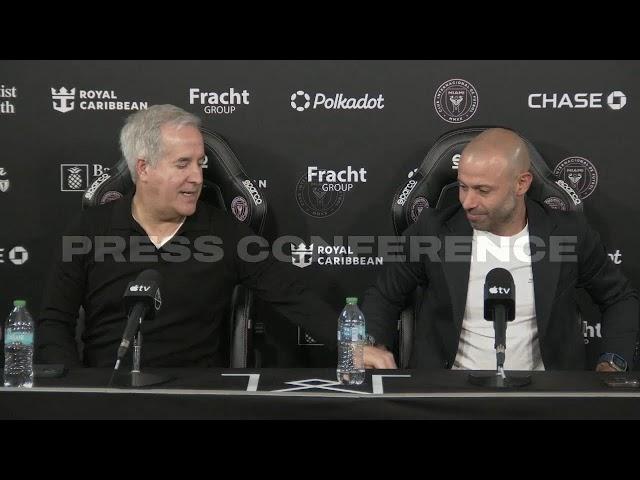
[[499, 307], [141, 300]]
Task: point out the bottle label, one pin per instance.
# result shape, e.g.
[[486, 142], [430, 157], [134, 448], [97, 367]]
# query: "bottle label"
[[354, 334], [25, 338]]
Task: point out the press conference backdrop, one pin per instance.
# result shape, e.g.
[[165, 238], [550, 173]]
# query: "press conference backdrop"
[[60, 120]]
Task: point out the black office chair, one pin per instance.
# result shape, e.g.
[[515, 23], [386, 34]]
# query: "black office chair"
[[434, 185], [227, 186]]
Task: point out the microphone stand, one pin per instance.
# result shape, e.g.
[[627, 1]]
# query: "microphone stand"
[[499, 379], [136, 378]]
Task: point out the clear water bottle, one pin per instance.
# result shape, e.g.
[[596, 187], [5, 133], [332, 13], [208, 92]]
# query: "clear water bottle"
[[18, 347], [351, 338]]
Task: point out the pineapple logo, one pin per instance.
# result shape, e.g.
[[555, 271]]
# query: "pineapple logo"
[[74, 180], [74, 177]]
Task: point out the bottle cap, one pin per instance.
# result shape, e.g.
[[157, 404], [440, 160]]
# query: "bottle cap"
[[19, 303], [352, 300]]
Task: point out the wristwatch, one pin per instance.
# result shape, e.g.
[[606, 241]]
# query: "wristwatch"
[[616, 361]]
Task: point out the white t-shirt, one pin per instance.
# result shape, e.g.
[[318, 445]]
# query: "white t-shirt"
[[476, 347], [160, 241]]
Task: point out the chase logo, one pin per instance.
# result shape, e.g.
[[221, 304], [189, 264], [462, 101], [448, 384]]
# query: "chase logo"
[[616, 100], [18, 255]]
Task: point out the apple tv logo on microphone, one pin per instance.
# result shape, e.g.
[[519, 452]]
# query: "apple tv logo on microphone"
[[502, 290]]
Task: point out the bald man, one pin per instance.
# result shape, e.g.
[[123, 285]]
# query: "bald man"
[[497, 222]]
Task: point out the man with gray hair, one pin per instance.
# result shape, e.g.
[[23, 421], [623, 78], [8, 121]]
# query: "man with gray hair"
[[160, 221]]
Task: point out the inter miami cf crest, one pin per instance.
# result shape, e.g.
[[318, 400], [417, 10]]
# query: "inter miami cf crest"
[[456, 100], [579, 173], [240, 208], [316, 200]]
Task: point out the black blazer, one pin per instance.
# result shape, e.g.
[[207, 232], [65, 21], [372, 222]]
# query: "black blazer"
[[441, 309]]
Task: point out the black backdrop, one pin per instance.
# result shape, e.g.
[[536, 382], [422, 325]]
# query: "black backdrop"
[[581, 115]]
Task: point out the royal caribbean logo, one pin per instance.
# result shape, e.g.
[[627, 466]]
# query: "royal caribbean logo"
[[456, 100], [579, 173], [301, 255], [323, 254], [64, 100]]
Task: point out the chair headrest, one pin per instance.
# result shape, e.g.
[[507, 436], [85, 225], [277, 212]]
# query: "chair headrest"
[[434, 183], [226, 185]]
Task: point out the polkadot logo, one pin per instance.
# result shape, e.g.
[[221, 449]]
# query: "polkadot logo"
[[300, 101]]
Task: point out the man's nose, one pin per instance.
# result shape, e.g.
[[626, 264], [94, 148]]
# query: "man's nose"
[[195, 174], [470, 200]]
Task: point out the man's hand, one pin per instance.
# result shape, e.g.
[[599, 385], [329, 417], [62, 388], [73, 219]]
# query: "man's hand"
[[378, 357], [601, 367]]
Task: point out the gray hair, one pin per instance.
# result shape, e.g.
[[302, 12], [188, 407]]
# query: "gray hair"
[[141, 136]]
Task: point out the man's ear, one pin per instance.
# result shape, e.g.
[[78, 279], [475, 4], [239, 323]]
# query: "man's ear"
[[524, 183], [142, 167]]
